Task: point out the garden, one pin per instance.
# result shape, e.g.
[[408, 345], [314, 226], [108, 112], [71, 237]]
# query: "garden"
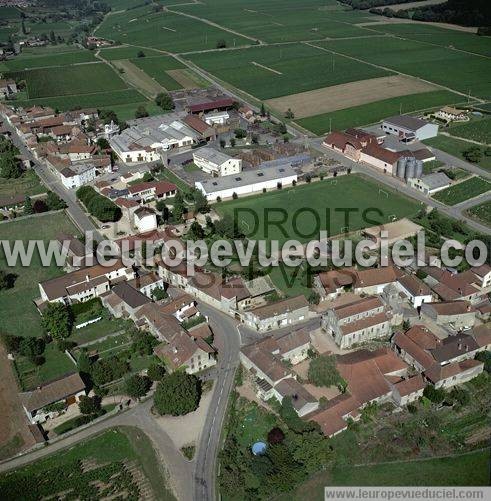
[[482, 212], [465, 190]]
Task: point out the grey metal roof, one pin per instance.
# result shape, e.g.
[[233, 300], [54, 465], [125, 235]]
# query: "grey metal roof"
[[436, 180], [246, 178], [406, 121], [211, 155]]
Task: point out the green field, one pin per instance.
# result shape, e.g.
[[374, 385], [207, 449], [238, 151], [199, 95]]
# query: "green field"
[[456, 147], [9, 12], [112, 455], [157, 68], [162, 30], [18, 314], [73, 80], [125, 52], [482, 212], [351, 191], [478, 129], [50, 60], [301, 68], [374, 112], [439, 36], [463, 191], [467, 469], [457, 70]]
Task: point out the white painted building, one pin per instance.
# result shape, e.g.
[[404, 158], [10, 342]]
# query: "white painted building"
[[77, 175], [408, 128], [247, 182], [218, 118], [431, 183], [145, 219], [216, 163]]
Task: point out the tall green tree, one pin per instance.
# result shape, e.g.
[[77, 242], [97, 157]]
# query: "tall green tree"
[[177, 394], [57, 320]]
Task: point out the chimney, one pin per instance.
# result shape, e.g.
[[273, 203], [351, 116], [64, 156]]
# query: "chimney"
[[87, 278], [459, 346]]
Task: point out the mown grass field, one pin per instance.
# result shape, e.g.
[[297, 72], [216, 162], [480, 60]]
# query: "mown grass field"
[[18, 314], [296, 204], [455, 69], [157, 67], [463, 191], [163, 30], [73, 80], [28, 184], [374, 112], [292, 69], [482, 212], [478, 129], [456, 147], [62, 472]]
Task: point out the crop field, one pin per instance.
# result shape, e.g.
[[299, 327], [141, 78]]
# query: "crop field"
[[463, 191], [158, 68], [374, 112], [48, 60], [84, 79], [119, 463], [458, 70], [338, 97], [482, 212], [477, 130], [285, 69], [163, 30], [439, 36], [331, 195], [456, 147]]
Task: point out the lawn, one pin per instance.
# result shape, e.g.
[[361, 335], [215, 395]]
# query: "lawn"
[[168, 175], [108, 325], [73, 80], [463, 191], [334, 195], [18, 314], [113, 454], [482, 212], [126, 52], [157, 68], [468, 469], [56, 364], [457, 70], [109, 346], [456, 147], [374, 112], [478, 129], [292, 68], [28, 184]]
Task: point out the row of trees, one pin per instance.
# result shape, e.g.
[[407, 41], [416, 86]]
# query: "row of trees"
[[99, 206], [10, 165]]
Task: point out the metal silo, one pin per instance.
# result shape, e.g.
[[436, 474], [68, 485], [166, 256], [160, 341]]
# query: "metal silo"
[[401, 167], [419, 169], [410, 167]]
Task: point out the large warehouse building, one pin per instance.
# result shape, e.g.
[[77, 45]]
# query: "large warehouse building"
[[409, 128], [216, 163], [247, 182]]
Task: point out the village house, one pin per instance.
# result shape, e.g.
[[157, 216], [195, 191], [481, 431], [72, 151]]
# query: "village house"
[[161, 324], [78, 254], [124, 300], [43, 402], [182, 306], [185, 352], [449, 113], [146, 282], [83, 284], [216, 163], [277, 315], [356, 322], [446, 376], [152, 190], [408, 390], [456, 315], [145, 219], [415, 289]]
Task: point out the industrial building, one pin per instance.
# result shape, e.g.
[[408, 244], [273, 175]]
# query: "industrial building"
[[216, 163], [147, 138], [431, 183], [247, 182], [409, 129]]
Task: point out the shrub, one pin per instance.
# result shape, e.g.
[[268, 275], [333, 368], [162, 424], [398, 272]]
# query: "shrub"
[[177, 394]]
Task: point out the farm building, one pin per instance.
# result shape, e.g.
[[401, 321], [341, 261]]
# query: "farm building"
[[7, 88], [409, 128], [217, 118], [247, 183], [431, 183], [147, 138], [216, 163], [450, 113], [206, 131], [210, 106]]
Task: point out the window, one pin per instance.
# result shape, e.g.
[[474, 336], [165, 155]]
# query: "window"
[[214, 183], [281, 170], [260, 174], [238, 179]]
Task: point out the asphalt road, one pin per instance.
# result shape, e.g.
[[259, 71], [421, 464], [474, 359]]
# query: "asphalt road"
[[52, 182]]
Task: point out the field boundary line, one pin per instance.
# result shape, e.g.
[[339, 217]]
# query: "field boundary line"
[[467, 140], [266, 68], [393, 71]]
